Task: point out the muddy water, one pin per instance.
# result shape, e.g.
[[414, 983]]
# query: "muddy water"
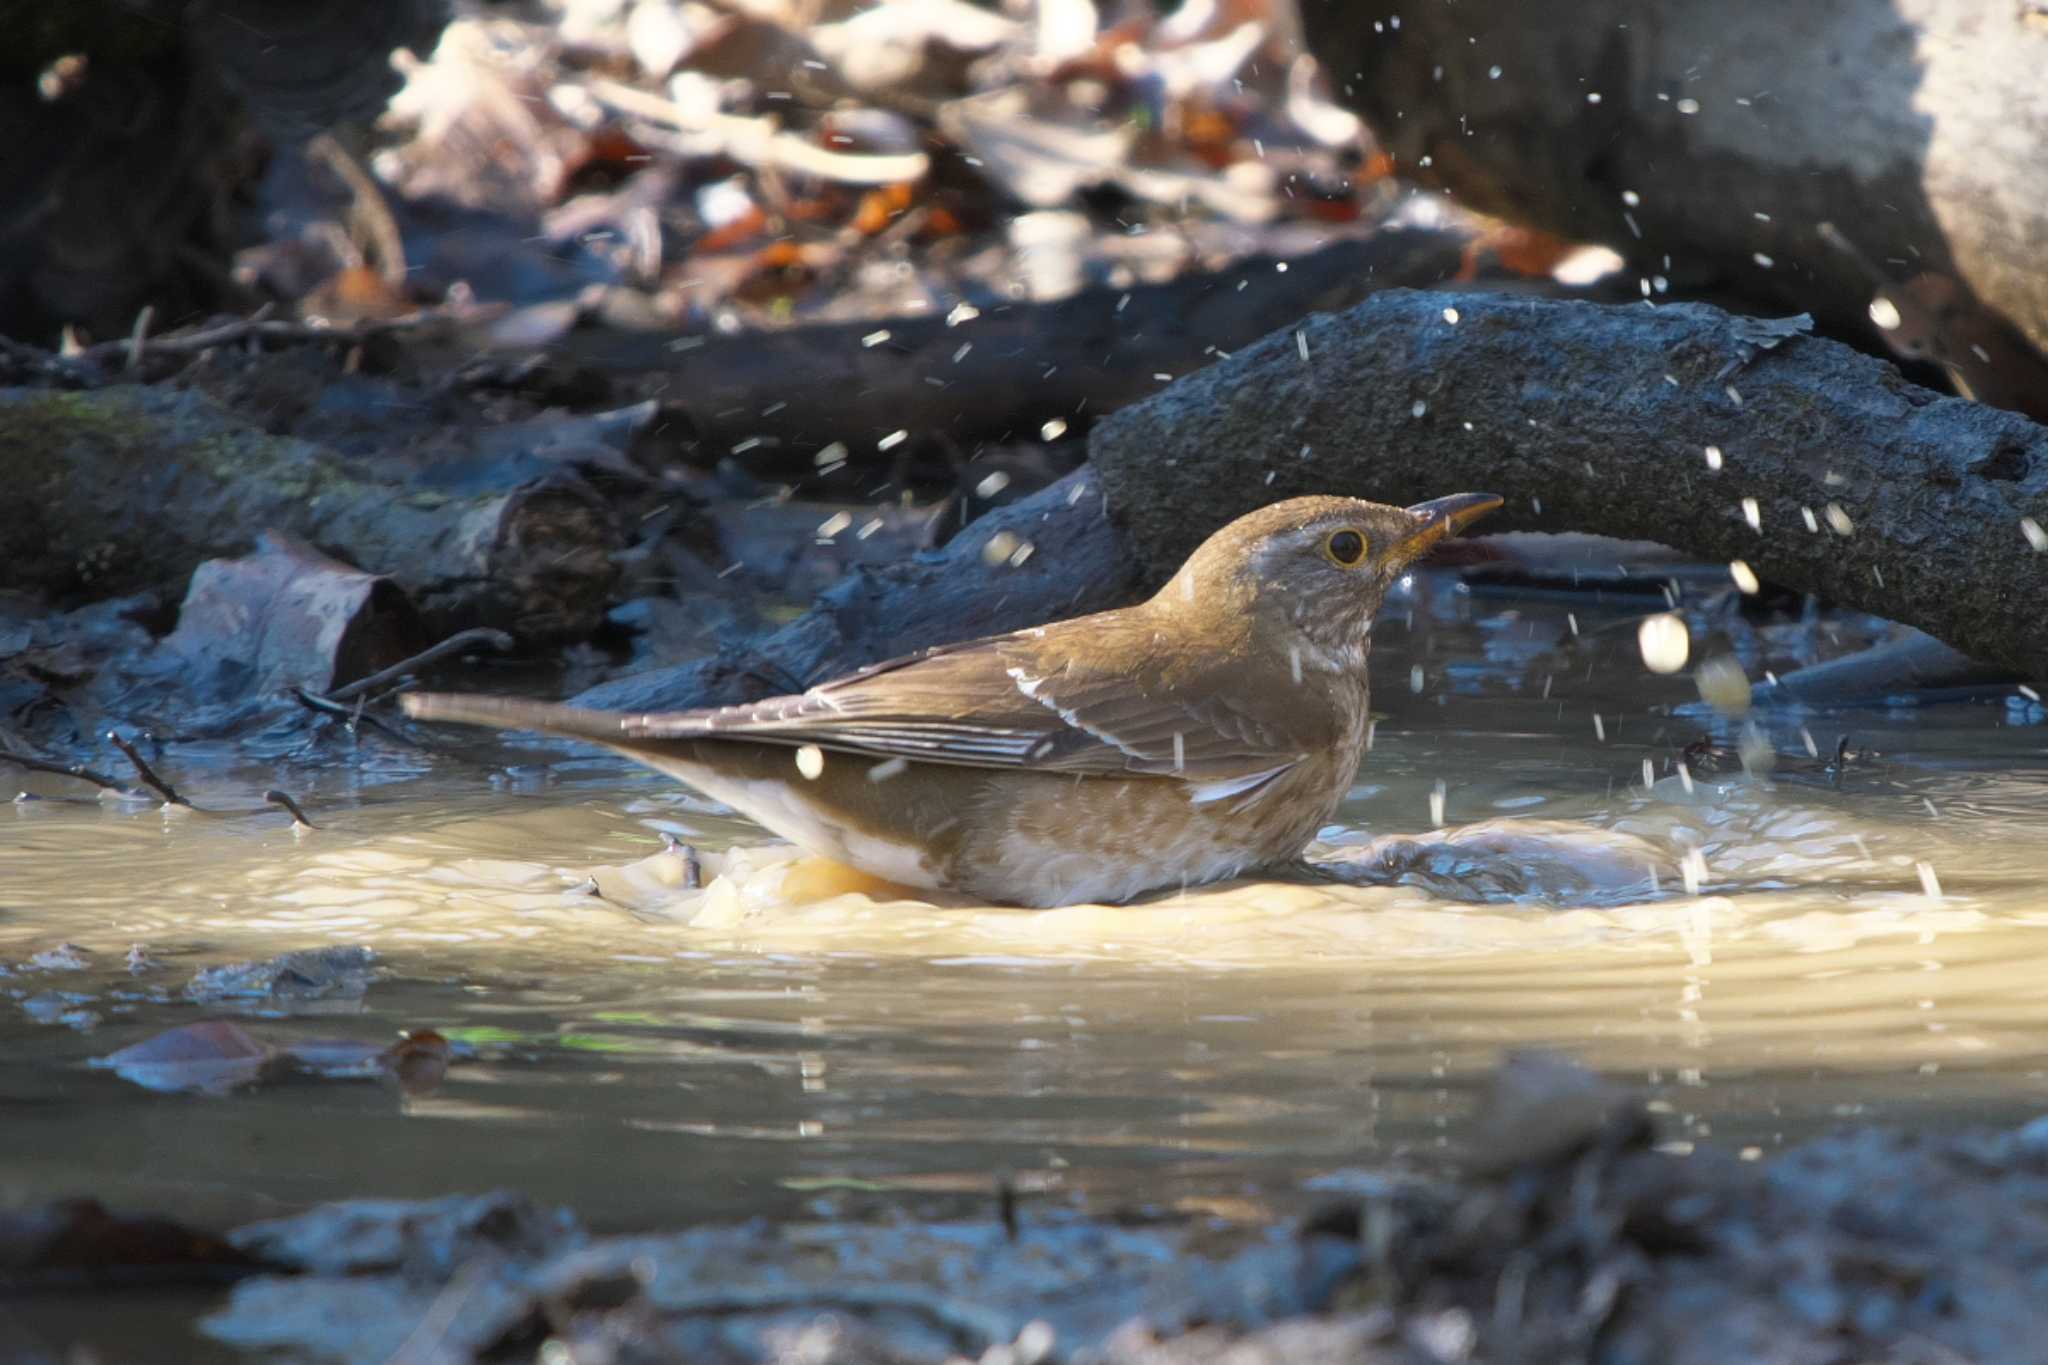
[[779, 1042]]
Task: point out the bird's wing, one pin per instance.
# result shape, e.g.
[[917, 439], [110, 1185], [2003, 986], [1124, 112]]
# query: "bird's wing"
[[1000, 703]]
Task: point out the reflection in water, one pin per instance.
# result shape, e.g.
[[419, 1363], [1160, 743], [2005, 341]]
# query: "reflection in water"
[[783, 1036]]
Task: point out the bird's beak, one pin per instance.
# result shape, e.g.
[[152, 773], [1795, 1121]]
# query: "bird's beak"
[[1441, 517]]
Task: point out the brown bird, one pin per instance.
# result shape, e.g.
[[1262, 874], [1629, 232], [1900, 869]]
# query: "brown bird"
[[1208, 731]]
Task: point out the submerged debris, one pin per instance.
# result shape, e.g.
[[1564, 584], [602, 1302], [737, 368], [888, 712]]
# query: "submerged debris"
[[309, 974]]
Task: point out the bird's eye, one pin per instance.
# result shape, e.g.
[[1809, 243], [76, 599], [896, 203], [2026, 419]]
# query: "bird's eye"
[[1345, 548]]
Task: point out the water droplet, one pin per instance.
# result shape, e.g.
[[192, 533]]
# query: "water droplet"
[[1664, 641], [1723, 685], [998, 548]]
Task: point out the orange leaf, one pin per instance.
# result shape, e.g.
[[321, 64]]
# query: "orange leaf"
[[736, 232]]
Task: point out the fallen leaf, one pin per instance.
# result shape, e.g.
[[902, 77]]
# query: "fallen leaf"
[[210, 1058]]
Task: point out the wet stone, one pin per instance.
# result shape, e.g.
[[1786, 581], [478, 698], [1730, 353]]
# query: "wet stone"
[[65, 957], [358, 1236], [61, 1007], [311, 974]]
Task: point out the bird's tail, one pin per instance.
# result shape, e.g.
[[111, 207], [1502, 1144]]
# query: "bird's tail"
[[516, 713]]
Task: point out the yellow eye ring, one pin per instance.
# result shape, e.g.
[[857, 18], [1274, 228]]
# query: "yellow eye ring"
[[1345, 548]]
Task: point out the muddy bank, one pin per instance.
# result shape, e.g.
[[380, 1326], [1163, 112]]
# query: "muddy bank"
[[1569, 1233]]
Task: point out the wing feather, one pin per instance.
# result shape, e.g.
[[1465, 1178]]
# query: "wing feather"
[[1021, 701]]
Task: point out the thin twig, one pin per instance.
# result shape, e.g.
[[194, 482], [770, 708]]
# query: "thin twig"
[[139, 337], [461, 639], [148, 774], [354, 715], [1006, 1206], [245, 329], [279, 798], [77, 770]]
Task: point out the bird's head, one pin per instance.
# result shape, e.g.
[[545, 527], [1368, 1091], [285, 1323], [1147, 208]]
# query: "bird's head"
[[1314, 570]]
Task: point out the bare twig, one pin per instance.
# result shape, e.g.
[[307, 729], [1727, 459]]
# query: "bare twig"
[[139, 336], [354, 715], [246, 329], [462, 639], [148, 774], [1006, 1206], [77, 770], [279, 798]]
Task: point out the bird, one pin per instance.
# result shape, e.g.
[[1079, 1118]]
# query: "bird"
[[1206, 732]]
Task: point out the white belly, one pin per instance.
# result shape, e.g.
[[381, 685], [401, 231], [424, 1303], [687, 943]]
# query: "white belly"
[[783, 807]]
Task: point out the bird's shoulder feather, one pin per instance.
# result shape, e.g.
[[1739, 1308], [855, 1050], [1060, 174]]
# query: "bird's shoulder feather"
[[1098, 695]]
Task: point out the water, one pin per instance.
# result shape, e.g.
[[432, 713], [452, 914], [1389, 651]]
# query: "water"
[[780, 1046]]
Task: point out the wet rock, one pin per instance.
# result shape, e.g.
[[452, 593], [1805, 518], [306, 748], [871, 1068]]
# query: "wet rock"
[[1552, 861], [364, 1321], [65, 957], [904, 1292], [309, 974], [1909, 663], [61, 1007], [1348, 1339], [1543, 1108], [1571, 1238], [422, 1239]]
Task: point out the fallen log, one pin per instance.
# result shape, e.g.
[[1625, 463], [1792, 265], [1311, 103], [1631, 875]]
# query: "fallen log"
[[1721, 138], [1820, 467], [126, 489], [775, 399]]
